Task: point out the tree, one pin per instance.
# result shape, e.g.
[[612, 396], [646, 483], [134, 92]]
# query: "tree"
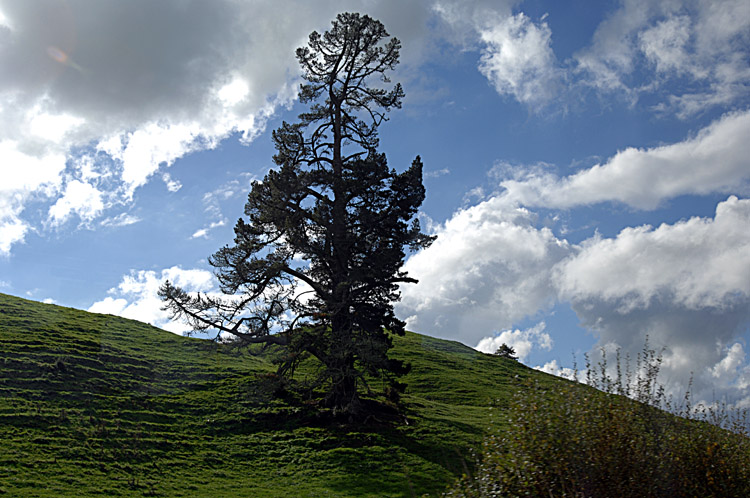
[[316, 267], [505, 351]]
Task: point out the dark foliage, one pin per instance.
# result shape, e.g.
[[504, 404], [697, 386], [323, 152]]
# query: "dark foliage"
[[505, 351], [316, 265]]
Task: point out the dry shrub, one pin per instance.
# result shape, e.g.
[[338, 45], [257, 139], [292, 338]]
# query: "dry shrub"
[[624, 439]]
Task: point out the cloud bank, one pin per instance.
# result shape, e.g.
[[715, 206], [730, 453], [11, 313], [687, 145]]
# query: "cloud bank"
[[135, 297], [684, 285], [694, 55], [488, 269], [695, 52], [716, 160], [97, 98]]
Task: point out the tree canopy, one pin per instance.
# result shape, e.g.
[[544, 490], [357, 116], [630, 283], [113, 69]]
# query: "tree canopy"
[[316, 264], [506, 351]]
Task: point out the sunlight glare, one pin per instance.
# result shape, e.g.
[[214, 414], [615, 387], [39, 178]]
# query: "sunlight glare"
[[234, 92], [53, 127], [4, 20]]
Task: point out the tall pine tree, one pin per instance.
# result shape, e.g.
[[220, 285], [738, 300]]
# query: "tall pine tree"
[[316, 265]]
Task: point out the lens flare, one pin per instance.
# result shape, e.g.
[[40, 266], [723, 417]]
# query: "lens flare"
[[58, 55]]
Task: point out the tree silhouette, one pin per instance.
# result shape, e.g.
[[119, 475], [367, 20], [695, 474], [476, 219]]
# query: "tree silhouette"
[[506, 351], [316, 265]]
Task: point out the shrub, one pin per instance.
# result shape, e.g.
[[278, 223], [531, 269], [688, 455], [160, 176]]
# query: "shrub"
[[505, 351], [624, 440]]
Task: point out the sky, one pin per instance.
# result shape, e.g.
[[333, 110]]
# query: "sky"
[[587, 164]]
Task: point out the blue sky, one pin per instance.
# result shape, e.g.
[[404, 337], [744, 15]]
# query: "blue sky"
[[586, 163]]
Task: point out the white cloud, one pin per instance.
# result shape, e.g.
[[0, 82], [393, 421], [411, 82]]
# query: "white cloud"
[[28, 170], [172, 185], [437, 173], [145, 83], [685, 56], [696, 52], [80, 198], [110, 306], [697, 263], [27, 174], [516, 52], [121, 220], [554, 368], [12, 231], [52, 128], [685, 286], [143, 151], [665, 44], [203, 232], [518, 59], [465, 18], [234, 92], [212, 203], [728, 366], [200, 233], [489, 268], [611, 53], [717, 159], [136, 297], [522, 341]]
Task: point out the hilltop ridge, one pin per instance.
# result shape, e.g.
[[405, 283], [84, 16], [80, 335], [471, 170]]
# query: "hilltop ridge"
[[95, 405]]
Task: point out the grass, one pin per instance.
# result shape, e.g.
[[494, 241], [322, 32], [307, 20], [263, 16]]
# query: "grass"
[[97, 405]]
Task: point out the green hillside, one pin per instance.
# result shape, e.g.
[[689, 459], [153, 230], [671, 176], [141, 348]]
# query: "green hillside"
[[99, 405]]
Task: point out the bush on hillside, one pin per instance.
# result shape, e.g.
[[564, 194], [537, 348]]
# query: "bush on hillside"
[[624, 442], [505, 351]]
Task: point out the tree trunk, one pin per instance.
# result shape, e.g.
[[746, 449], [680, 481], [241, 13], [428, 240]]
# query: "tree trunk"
[[343, 397]]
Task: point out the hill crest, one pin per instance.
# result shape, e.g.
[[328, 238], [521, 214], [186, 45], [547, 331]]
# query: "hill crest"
[[100, 405]]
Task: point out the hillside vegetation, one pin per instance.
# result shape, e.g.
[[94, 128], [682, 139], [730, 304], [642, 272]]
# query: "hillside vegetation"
[[625, 439], [99, 405]]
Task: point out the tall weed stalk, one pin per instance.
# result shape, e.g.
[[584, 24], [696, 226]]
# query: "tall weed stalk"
[[625, 438]]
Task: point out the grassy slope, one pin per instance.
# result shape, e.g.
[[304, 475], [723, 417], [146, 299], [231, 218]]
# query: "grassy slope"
[[99, 405]]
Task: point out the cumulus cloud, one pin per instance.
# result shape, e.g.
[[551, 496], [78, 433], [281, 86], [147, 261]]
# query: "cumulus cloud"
[[81, 198], [129, 88], [172, 185], [489, 268], [697, 263], [516, 52], [25, 177], [135, 297], [665, 46], [686, 286], [694, 54], [696, 51], [12, 230], [518, 60], [717, 159], [728, 366], [554, 368], [522, 341]]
